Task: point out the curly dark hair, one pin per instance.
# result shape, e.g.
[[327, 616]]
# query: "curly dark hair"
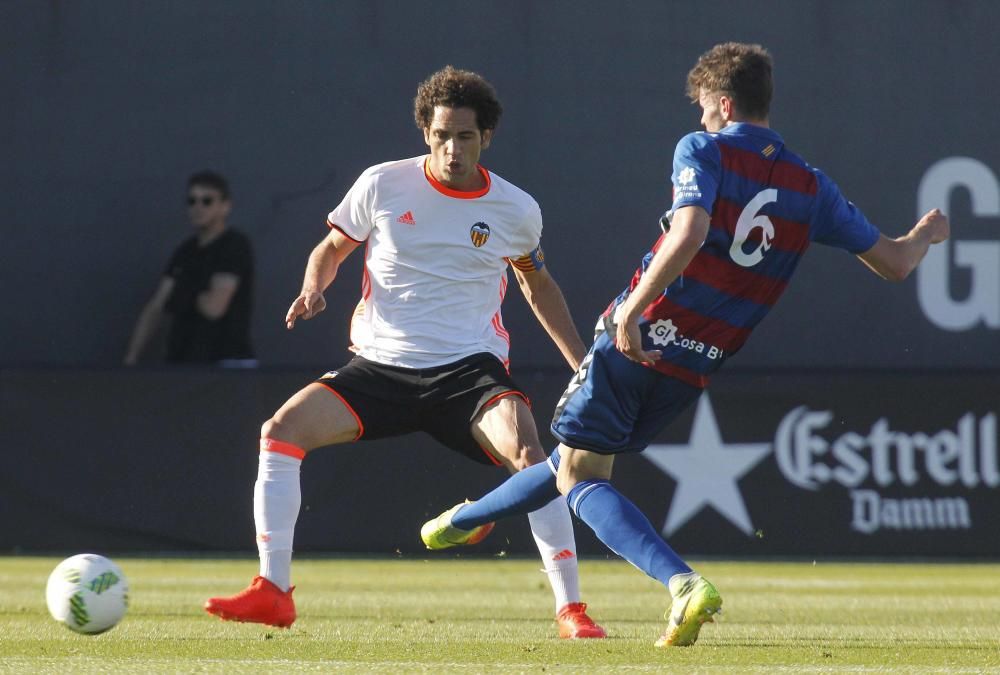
[[455, 88], [740, 71]]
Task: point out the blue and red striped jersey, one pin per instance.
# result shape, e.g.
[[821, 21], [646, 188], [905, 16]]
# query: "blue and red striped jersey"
[[766, 206]]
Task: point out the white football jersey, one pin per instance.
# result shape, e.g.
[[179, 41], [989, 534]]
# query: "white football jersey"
[[435, 263]]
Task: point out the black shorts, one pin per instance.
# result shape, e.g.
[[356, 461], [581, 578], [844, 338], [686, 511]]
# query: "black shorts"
[[442, 401]]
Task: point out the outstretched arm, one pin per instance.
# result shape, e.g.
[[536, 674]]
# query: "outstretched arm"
[[688, 229], [894, 259], [324, 261], [547, 302]]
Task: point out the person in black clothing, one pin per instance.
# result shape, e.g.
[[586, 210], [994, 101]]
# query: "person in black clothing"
[[206, 288]]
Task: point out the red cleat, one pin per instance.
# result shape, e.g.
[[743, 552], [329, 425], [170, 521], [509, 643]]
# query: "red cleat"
[[574, 622], [260, 602]]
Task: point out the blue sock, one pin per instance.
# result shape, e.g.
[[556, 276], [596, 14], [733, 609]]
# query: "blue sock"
[[524, 492], [624, 529]]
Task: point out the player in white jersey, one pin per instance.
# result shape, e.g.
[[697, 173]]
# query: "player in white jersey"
[[440, 231], [436, 263]]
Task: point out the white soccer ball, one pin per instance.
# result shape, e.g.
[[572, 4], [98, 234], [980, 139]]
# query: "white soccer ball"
[[88, 593]]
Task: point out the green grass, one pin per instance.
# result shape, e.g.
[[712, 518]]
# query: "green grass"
[[473, 616]]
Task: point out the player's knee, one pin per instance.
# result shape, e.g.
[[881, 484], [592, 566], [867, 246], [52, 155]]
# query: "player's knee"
[[279, 431], [269, 428], [523, 457]]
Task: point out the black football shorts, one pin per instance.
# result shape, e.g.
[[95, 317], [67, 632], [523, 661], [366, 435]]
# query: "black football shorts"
[[441, 401]]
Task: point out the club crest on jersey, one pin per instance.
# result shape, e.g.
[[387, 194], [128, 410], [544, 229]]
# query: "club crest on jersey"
[[479, 233]]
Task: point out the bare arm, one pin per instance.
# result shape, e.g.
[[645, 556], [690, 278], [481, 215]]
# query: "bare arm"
[[547, 302], [894, 259], [148, 321], [324, 261], [213, 302], [687, 233]]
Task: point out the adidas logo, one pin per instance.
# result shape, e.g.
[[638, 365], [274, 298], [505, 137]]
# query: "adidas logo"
[[406, 219], [564, 554]]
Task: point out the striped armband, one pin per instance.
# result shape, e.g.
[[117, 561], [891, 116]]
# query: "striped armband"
[[532, 262]]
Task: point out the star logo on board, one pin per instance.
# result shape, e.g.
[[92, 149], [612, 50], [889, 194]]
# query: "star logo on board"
[[707, 472]]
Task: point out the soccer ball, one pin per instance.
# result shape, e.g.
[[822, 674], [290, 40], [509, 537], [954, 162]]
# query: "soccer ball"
[[87, 593]]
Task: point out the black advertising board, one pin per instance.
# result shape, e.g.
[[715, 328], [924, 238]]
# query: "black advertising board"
[[899, 464], [796, 464]]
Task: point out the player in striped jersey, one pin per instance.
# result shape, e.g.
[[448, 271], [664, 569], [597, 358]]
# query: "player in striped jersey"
[[745, 209], [440, 231]]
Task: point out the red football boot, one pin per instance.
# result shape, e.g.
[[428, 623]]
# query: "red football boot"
[[574, 622], [260, 602]]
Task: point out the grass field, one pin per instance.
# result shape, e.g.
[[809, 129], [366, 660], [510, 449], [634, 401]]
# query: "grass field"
[[473, 616]]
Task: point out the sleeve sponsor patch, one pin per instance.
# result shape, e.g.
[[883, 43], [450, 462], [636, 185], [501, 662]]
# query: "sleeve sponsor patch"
[[696, 171]]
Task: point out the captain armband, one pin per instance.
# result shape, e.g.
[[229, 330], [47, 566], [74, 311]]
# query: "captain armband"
[[532, 262]]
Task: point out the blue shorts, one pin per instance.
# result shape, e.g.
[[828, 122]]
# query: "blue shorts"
[[615, 405]]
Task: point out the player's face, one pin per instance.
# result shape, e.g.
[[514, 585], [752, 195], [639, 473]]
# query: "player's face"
[[206, 207], [456, 143], [711, 110]]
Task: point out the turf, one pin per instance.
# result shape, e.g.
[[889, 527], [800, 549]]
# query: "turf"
[[472, 616]]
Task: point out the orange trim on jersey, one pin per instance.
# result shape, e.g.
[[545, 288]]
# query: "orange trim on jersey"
[[366, 283], [334, 226], [497, 320], [361, 426], [366, 290], [457, 194], [499, 329], [282, 448]]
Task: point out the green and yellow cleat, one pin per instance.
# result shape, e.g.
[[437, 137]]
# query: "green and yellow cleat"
[[696, 602], [438, 533]]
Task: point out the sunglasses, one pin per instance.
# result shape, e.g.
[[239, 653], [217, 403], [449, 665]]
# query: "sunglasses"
[[205, 201]]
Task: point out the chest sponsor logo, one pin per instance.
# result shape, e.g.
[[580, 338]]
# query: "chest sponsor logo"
[[891, 479], [663, 332], [479, 233]]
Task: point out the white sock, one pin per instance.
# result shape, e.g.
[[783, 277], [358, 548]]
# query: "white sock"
[[277, 496], [552, 528]]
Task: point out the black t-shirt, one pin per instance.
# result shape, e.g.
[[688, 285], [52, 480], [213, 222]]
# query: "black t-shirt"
[[194, 338]]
